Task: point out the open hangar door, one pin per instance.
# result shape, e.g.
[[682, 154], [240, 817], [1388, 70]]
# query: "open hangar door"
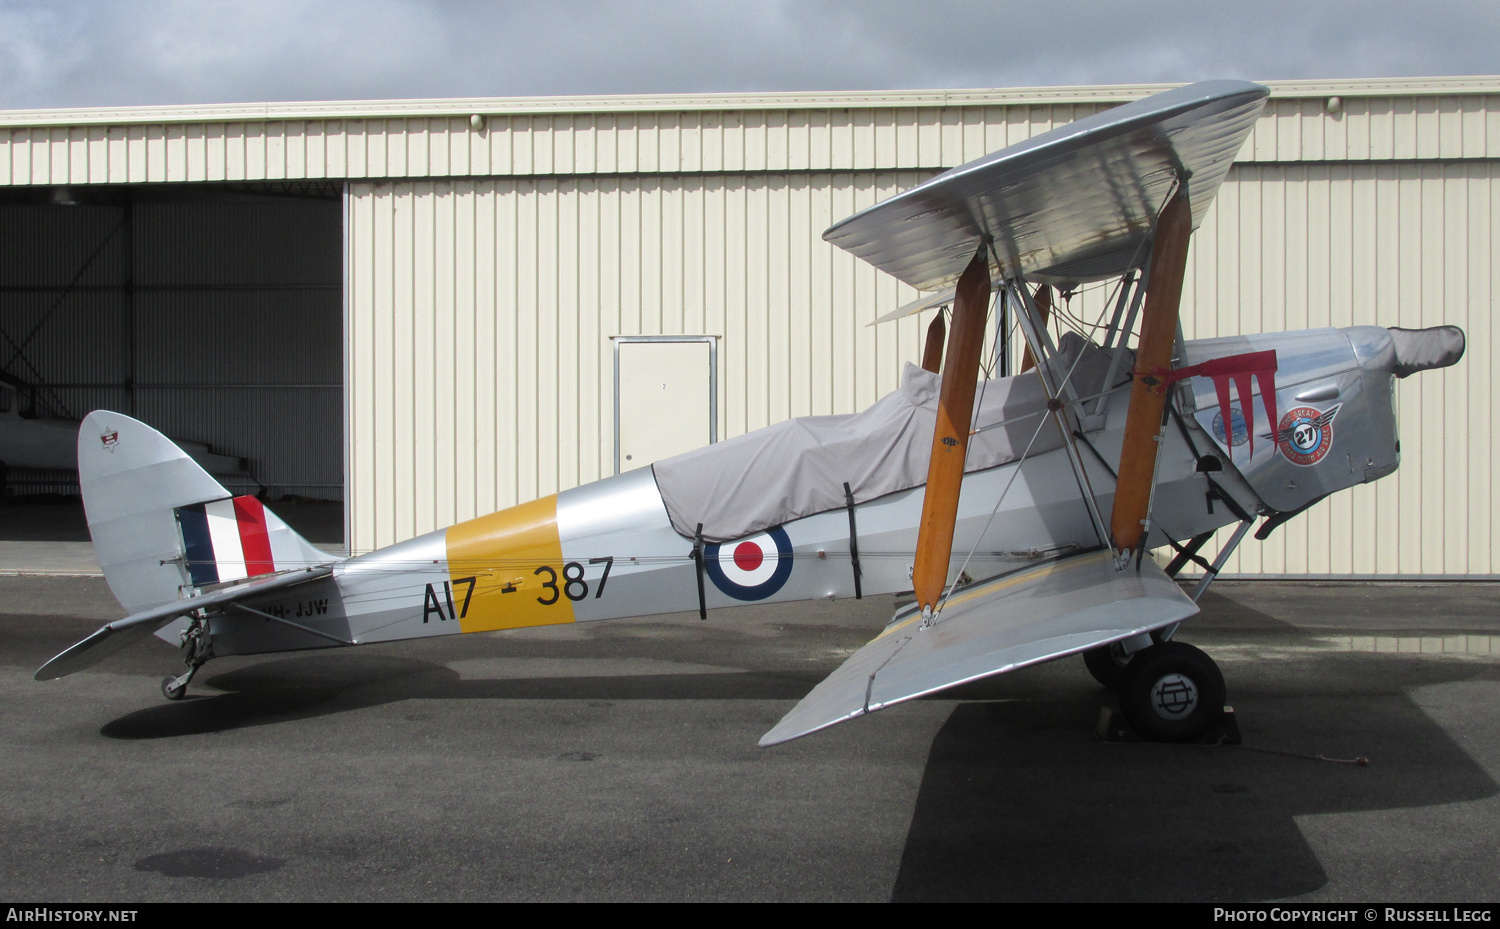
[[212, 312]]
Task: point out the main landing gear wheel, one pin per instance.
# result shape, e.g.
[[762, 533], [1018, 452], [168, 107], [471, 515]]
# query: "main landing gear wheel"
[[1107, 664], [1172, 692]]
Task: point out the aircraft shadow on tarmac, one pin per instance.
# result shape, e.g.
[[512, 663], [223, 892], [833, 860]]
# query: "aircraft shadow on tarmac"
[[278, 691], [1019, 802]]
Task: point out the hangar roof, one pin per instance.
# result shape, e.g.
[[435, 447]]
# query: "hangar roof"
[[654, 103], [1411, 119]]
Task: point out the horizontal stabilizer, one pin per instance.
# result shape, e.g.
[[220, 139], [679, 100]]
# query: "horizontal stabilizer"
[[1032, 615], [112, 637]]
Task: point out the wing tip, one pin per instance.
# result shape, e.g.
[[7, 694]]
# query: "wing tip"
[[781, 733]]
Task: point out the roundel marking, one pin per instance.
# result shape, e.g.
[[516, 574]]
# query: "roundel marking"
[[752, 568]]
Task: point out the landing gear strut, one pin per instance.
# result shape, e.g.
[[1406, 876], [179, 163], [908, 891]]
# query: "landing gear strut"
[[197, 649], [1170, 691]]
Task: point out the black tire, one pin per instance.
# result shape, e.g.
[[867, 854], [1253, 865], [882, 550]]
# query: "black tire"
[[1172, 692], [171, 693], [1107, 664]]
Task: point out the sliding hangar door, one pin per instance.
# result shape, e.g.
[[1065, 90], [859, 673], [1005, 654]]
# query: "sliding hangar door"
[[214, 313]]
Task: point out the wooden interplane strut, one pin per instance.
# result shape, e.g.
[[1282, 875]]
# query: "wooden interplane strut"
[[950, 438], [1043, 302], [932, 351], [1143, 422]]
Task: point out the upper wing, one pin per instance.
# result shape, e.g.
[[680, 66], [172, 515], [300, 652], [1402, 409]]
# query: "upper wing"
[[1046, 611], [1070, 205], [112, 637]]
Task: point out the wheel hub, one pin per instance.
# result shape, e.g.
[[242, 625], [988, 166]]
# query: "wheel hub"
[[1174, 696]]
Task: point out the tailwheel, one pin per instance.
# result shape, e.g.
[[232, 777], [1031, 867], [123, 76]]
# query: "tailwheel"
[[1107, 664], [197, 649], [1172, 692], [174, 688]]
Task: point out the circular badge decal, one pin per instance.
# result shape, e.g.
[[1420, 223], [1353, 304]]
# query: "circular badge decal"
[[1174, 696], [1241, 433], [1305, 435], [752, 568]]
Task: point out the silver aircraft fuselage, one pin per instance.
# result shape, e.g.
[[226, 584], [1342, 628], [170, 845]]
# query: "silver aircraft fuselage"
[[608, 549]]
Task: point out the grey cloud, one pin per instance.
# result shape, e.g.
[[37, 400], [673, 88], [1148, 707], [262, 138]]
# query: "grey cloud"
[[82, 53]]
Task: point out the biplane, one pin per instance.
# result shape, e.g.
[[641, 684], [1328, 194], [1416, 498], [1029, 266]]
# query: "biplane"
[[1017, 509]]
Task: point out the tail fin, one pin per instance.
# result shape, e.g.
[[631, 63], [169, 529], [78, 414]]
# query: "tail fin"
[[163, 527]]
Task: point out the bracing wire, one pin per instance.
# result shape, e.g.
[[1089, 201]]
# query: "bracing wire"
[[1041, 423]]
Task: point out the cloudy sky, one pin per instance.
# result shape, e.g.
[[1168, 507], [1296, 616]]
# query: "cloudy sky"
[[64, 53]]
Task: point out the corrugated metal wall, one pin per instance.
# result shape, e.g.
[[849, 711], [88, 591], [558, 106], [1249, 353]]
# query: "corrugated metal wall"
[[1393, 244], [489, 266], [1378, 215], [217, 321], [481, 314]]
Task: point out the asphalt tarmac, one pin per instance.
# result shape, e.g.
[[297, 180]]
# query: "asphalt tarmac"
[[618, 761]]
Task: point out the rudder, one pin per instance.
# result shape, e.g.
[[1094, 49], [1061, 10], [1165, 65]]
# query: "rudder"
[[162, 526]]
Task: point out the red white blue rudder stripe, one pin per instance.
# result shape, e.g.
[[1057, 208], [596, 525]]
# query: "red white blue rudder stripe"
[[225, 540]]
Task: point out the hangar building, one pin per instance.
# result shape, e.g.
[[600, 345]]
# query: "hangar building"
[[432, 309]]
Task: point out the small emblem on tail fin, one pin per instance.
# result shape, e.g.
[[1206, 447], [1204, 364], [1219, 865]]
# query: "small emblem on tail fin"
[[110, 439]]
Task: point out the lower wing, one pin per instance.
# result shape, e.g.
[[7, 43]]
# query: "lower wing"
[[1038, 613]]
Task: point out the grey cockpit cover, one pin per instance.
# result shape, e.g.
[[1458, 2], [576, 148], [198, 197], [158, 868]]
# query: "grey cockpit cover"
[[797, 468]]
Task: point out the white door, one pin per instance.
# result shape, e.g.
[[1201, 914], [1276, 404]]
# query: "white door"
[[664, 399]]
